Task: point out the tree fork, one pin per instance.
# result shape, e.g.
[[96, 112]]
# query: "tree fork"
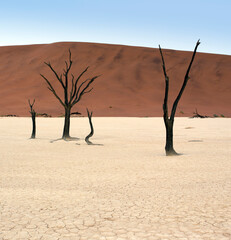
[[169, 121]]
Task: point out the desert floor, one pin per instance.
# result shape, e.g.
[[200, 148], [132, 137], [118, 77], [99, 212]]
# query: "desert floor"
[[123, 188]]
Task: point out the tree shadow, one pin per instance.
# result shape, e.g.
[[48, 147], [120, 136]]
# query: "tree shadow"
[[69, 139], [195, 140], [173, 154], [95, 144]]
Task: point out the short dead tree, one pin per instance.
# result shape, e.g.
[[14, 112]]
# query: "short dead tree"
[[72, 96], [89, 114], [33, 116], [197, 115], [169, 121]]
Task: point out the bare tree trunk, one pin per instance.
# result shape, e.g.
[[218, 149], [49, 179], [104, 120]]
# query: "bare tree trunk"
[[169, 138], [66, 129], [33, 115], [170, 120], [92, 129]]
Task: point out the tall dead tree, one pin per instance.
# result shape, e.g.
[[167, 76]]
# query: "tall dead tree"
[[72, 96], [169, 121], [33, 115], [89, 114]]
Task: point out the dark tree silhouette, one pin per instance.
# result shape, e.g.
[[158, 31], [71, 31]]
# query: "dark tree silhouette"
[[92, 129], [72, 96], [197, 115], [33, 116], [169, 121]]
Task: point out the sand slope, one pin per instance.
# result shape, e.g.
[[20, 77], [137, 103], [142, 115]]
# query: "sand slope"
[[131, 84], [125, 189]]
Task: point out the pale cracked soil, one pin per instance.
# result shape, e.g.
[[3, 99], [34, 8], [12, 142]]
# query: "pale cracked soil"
[[124, 189]]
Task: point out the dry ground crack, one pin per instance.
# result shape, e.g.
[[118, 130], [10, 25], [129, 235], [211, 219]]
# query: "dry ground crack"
[[124, 190]]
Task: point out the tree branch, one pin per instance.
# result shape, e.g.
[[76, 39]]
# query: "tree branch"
[[75, 85], [53, 90], [59, 78], [87, 91], [80, 92], [72, 86], [186, 78], [165, 105], [66, 71], [77, 91]]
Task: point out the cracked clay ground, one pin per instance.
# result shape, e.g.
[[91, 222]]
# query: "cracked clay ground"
[[124, 189]]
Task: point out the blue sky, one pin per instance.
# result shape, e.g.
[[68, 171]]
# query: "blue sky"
[[174, 24]]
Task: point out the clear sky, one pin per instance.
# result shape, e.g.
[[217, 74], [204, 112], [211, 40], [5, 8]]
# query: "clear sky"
[[174, 24]]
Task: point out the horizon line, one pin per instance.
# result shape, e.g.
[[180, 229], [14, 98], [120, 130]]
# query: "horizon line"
[[115, 44]]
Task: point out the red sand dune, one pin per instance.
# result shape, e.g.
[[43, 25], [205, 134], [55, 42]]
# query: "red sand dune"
[[132, 82]]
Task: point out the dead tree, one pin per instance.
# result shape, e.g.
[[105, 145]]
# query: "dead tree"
[[92, 129], [169, 121], [197, 115], [72, 96], [33, 115]]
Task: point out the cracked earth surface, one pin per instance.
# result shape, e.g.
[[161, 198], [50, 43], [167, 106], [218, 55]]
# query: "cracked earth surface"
[[125, 189]]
